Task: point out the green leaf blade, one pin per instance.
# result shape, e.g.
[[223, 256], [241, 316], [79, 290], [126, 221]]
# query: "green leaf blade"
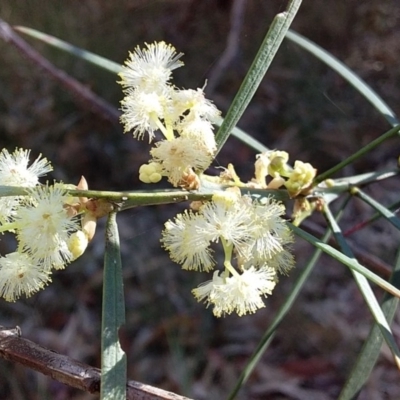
[[346, 73], [88, 56], [113, 360], [257, 70]]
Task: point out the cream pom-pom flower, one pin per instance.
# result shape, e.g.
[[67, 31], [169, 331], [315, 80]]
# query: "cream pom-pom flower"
[[19, 275], [43, 227], [240, 293]]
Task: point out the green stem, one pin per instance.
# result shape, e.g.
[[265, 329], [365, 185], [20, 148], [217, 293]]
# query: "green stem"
[[168, 133], [8, 227], [228, 248], [365, 150], [385, 212]]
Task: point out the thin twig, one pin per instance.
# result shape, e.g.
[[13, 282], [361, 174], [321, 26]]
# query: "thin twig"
[[89, 99], [68, 371]]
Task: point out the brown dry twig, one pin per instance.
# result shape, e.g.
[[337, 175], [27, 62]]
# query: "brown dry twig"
[[68, 371], [89, 99], [232, 45]]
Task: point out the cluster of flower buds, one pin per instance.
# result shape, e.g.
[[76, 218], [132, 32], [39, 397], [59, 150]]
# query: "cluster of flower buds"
[[274, 163], [183, 116], [44, 222]]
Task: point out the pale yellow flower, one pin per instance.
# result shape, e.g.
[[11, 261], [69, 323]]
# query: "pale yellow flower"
[[152, 103], [301, 177], [193, 105], [227, 217], [251, 229], [199, 130], [179, 155], [271, 234], [44, 227], [189, 236], [142, 111], [274, 164], [184, 239], [278, 163], [14, 170], [8, 205], [240, 293], [19, 275], [150, 68]]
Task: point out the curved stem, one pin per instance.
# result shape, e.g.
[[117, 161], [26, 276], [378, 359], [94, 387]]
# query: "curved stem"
[[364, 150]]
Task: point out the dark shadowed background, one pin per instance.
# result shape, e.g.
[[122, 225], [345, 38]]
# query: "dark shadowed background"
[[302, 107]]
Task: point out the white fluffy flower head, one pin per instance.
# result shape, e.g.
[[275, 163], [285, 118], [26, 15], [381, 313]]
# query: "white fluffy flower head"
[[239, 293], [184, 117], [44, 227], [14, 170], [19, 275], [150, 68], [187, 245], [141, 111], [195, 104], [177, 156], [252, 230]]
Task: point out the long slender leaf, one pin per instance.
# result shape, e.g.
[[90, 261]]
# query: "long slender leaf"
[[358, 154], [361, 225], [368, 177], [244, 137], [371, 348], [69, 48], [338, 186], [365, 289], [349, 262], [113, 360], [347, 74], [259, 67], [386, 213], [282, 312]]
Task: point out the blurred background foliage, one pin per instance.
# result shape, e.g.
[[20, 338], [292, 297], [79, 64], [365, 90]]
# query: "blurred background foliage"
[[301, 107]]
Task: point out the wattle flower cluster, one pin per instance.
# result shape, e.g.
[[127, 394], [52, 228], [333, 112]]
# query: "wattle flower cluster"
[[253, 234], [48, 235], [251, 230], [183, 116]]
